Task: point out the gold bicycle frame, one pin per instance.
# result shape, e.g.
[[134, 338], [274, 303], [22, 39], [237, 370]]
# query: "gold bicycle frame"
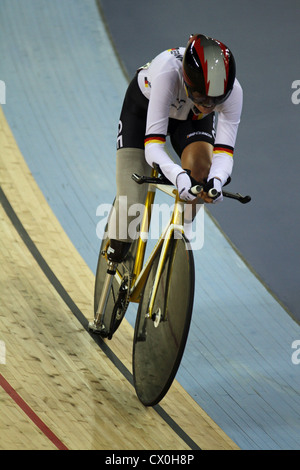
[[141, 270]]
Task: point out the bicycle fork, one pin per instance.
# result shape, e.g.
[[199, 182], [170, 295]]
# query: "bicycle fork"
[[97, 326]]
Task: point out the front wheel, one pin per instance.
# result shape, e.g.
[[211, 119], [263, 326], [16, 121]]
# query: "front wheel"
[[159, 341]]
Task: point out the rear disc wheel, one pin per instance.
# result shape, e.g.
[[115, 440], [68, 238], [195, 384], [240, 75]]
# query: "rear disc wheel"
[[159, 341]]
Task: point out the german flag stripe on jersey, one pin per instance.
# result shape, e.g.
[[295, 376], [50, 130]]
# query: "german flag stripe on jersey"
[[223, 149], [155, 139]]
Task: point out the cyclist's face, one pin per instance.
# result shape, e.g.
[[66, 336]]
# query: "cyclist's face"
[[203, 103], [204, 109]]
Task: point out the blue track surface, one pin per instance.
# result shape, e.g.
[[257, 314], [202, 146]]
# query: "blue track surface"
[[64, 93]]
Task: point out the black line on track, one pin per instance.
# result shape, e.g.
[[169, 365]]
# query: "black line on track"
[[79, 315]]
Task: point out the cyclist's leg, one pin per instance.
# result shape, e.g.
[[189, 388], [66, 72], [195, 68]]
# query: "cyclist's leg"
[[130, 196], [193, 141], [130, 199], [197, 157], [111, 294]]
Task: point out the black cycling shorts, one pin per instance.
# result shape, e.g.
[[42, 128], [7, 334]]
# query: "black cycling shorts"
[[132, 124]]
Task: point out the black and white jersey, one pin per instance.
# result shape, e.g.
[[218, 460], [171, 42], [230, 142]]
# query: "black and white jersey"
[[161, 82]]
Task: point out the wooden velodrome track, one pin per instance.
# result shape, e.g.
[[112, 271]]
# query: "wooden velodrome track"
[[59, 388]]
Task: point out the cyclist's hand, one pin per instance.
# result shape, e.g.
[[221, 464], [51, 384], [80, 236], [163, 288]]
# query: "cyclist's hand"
[[216, 184], [184, 184]]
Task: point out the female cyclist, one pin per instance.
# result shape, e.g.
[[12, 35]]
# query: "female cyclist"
[[176, 94]]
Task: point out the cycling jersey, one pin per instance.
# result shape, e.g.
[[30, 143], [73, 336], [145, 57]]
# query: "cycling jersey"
[[161, 82]]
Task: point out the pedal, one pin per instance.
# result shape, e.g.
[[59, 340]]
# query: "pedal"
[[98, 329]]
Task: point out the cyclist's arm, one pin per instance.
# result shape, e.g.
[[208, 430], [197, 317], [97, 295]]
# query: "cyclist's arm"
[[229, 114], [163, 88]]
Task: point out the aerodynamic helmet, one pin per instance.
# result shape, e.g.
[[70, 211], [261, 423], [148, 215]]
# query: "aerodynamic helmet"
[[208, 70]]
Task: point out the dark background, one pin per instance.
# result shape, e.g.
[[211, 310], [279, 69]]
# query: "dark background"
[[264, 38]]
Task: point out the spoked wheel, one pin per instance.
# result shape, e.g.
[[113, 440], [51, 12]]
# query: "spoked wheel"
[[118, 298], [159, 341]]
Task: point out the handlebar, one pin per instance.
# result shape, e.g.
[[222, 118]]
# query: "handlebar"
[[213, 193], [237, 196]]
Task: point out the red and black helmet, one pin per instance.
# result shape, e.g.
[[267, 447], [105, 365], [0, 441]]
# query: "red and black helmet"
[[208, 70]]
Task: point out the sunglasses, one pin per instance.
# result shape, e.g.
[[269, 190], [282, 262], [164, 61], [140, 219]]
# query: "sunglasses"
[[202, 100]]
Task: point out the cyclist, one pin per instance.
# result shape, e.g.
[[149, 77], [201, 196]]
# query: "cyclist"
[[176, 95]]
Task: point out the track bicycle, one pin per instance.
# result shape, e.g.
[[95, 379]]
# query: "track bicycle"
[[163, 287]]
